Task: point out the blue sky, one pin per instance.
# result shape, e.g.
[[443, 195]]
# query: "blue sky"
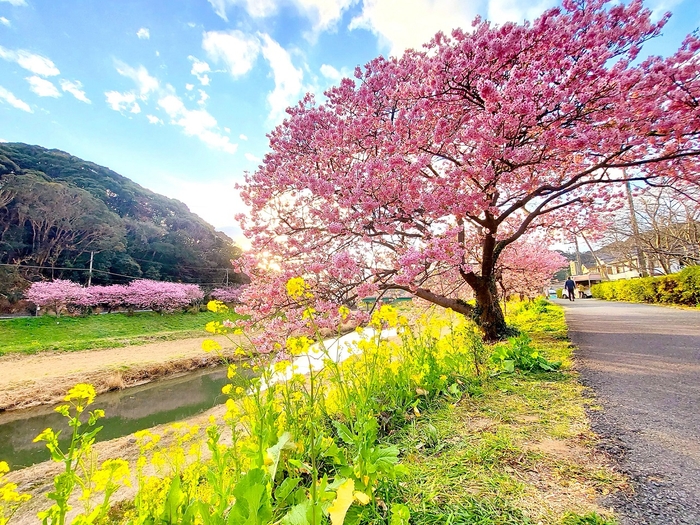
[[178, 95]]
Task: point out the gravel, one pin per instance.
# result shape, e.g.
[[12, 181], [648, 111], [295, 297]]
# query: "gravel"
[[642, 363]]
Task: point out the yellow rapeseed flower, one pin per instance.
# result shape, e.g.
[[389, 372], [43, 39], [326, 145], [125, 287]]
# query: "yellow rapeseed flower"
[[344, 312], [209, 345], [216, 306], [296, 286], [82, 393], [298, 345]]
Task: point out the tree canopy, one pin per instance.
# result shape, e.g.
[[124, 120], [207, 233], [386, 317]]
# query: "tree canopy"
[[429, 167]]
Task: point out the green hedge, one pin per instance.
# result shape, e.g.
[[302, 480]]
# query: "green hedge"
[[678, 288]]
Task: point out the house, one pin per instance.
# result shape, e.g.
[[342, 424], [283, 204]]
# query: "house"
[[605, 268]]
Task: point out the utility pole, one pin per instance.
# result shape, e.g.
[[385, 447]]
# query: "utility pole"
[[92, 255], [641, 264], [579, 266]]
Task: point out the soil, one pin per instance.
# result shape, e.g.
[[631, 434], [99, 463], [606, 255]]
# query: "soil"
[[29, 380]]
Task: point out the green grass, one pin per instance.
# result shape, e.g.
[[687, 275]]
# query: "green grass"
[[516, 451], [37, 334]]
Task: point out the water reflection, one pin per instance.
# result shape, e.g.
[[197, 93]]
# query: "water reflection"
[[127, 411]]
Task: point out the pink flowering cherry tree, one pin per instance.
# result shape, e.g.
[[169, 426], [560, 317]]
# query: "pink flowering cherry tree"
[[229, 294], [424, 169], [56, 295], [525, 268]]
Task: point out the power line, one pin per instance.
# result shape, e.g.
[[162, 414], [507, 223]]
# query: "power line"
[[94, 270]]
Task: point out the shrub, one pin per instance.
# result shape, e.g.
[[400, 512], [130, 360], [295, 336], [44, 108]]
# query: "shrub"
[[681, 288]]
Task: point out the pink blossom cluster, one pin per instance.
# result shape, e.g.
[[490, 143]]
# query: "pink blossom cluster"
[[229, 294], [142, 294], [526, 267]]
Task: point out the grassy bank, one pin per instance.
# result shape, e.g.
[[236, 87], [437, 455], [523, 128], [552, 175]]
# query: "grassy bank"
[[517, 450], [36, 334]]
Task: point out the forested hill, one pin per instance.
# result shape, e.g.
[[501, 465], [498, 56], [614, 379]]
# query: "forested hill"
[[56, 208]]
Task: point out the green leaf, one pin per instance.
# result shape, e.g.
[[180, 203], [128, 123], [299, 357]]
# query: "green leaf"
[[284, 443], [252, 505], [399, 514], [172, 501], [344, 433], [285, 489], [298, 515]]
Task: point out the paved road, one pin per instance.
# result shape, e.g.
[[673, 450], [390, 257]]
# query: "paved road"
[[643, 363]]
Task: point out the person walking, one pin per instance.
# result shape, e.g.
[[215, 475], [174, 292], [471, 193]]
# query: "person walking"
[[570, 286]]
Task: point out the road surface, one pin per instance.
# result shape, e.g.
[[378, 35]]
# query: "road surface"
[[643, 364]]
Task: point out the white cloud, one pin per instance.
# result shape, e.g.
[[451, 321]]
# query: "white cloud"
[[43, 87], [415, 22], [200, 70], [143, 33], [15, 2], [324, 14], [288, 79], [196, 123], [123, 101], [227, 130], [37, 64], [660, 7], [502, 11], [4, 21], [12, 100], [203, 97], [252, 158], [76, 89], [216, 201], [333, 74], [189, 87], [242, 137], [255, 8], [145, 83], [237, 50]]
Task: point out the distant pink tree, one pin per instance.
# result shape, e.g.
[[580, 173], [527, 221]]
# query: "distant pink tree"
[[526, 268], [229, 294], [109, 297], [424, 169], [56, 295], [161, 296]]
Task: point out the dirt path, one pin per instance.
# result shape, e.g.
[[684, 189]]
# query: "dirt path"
[[28, 380], [643, 363]]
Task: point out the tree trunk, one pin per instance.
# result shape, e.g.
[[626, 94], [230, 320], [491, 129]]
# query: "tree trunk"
[[488, 314]]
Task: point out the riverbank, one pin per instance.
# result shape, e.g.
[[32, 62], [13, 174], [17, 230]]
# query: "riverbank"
[[517, 446], [31, 380]]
